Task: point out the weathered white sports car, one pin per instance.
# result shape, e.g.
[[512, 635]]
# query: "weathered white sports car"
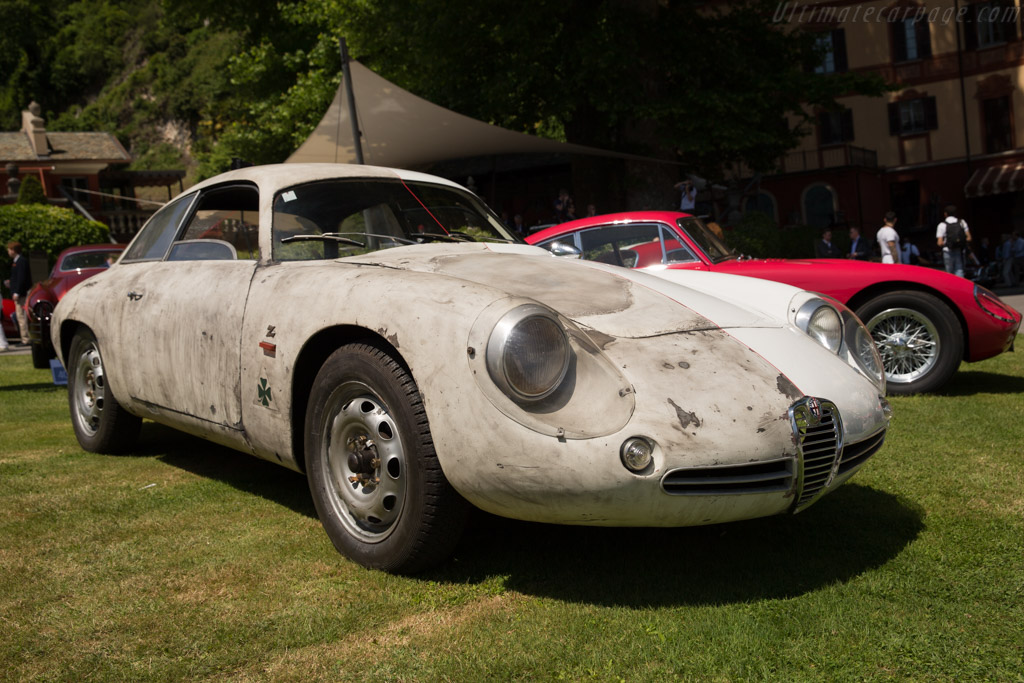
[[382, 332]]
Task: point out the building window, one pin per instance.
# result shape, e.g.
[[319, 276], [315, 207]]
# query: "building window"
[[910, 117], [832, 46], [835, 127], [762, 202], [998, 124], [990, 23], [819, 205], [911, 40]]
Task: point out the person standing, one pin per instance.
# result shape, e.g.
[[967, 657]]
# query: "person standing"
[[858, 246], [19, 283], [889, 239], [824, 248], [689, 195], [953, 236]]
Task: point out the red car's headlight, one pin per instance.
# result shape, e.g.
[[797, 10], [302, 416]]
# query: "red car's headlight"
[[991, 304]]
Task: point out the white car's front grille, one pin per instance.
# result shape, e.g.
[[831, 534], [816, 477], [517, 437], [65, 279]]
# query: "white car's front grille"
[[819, 437]]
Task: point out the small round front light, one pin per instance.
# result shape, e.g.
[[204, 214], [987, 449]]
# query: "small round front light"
[[636, 454], [528, 353]]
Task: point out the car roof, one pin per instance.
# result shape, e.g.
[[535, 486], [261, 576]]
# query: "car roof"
[[604, 219], [274, 177]]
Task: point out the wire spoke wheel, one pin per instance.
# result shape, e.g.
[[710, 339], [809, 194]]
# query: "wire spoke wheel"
[[908, 342]]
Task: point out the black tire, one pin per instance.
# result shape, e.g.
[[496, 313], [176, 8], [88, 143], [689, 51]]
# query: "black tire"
[[373, 473], [100, 423], [918, 337], [40, 357]]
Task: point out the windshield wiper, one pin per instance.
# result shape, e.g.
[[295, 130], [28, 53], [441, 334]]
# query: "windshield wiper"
[[322, 237]]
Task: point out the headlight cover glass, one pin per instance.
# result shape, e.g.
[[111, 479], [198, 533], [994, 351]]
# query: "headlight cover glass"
[[822, 322], [839, 330], [528, 353]]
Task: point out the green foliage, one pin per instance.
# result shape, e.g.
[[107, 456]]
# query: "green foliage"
[[759, 236], [49, 229], [31, 191]]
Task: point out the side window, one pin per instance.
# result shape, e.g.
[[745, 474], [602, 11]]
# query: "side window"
[[228, 214], [158, 233], [632, 246]]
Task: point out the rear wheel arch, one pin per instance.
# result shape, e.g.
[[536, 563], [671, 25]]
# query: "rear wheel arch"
[[312, 357]]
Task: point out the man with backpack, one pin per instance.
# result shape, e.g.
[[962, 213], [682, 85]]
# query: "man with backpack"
[[953, 236]]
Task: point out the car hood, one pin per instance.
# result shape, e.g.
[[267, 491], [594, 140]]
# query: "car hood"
[[612, 300]]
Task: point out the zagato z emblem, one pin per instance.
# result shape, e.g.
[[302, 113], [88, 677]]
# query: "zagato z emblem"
[[264, 392]]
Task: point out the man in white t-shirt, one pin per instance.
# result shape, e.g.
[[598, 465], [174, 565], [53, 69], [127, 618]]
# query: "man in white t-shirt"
[[889, 240]]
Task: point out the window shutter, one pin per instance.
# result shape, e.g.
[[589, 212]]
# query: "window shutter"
[[899, 42], [847, 125], [839, 50], [825, 135], [924, 39], [894, 118], [931, 117], [970, 27]]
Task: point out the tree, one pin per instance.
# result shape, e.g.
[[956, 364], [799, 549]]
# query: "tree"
[[31, 191], [679, 80]]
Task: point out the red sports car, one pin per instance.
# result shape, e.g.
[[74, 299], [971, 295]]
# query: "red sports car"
[[73, 265], [924, 321]]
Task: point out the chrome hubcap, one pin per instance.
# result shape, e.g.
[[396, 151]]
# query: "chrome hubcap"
[[364, 463], [89, 390], [908, 343]]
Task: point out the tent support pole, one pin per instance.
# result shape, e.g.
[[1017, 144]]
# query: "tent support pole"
[[347, 76]]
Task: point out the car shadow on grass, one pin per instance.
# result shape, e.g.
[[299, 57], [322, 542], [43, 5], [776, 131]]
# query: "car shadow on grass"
[[847, 533], [853, 530], [48, 387], [244, 472], [973, 382]]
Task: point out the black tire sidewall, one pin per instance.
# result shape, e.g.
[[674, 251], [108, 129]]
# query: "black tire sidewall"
[[946, 324]]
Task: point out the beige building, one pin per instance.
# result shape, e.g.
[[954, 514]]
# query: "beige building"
[[950, 133]]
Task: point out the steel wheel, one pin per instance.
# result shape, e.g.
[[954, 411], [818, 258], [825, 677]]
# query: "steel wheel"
[[908, 342], [101, 425], [89, 389], [365, 462]]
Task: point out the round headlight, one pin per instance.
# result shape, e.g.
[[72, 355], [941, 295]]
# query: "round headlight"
[[822, 323], [528, 353]]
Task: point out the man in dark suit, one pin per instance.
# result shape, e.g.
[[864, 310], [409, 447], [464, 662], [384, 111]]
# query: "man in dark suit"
[[21, 280], [824, 248], [859, 247]]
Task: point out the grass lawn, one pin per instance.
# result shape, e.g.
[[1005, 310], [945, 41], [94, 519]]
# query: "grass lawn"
[[190, 561]]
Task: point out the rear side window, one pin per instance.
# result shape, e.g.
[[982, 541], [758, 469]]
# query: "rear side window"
[[156, 236]]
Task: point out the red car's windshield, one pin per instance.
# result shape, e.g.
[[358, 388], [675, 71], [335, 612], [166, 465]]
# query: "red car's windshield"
[[708, 241]]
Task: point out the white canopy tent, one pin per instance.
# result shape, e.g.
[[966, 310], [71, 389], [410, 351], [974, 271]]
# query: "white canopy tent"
[[402, 130]]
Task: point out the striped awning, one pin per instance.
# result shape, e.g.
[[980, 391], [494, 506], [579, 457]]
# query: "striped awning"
[[995, 180]]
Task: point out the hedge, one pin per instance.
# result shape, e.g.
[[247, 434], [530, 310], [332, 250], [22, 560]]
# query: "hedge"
[[47, 229]]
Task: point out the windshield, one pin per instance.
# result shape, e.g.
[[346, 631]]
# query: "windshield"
[[89, 259], [332, 218], [709, 242]]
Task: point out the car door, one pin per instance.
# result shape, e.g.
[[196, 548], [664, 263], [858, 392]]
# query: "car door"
[[184, 293]]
